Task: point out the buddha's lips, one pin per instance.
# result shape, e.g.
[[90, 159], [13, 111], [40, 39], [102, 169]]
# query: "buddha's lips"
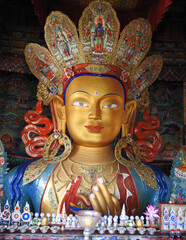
[[94, 128]]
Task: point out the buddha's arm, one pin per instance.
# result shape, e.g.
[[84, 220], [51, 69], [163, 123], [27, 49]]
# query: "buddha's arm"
[[14, 189], [145, 194], [32, 192], [163, 188]]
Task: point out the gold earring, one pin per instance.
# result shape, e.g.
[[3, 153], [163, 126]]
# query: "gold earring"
[[51, 156], [132, 151]]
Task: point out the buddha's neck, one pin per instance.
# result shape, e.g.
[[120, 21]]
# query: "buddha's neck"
[[92, 155]]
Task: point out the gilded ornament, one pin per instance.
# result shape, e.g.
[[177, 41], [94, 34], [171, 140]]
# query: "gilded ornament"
[[144, 101], [43, 94], [51, 156], [96, 49], [88, 173], [44, 221], [95, 68], [139, 223]]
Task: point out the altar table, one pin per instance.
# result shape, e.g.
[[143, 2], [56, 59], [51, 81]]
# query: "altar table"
[[78, 235]]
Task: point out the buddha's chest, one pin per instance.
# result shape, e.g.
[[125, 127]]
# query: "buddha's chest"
[[117, 178]]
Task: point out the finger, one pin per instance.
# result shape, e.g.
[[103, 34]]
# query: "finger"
[[75, 189], [100, 199], [70, 195], [75, 198], [83, 199], [107, 196], [65, 198], [95, 204], [116, 205]]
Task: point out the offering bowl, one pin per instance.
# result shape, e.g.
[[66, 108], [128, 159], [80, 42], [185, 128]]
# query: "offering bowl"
[[88, 220]]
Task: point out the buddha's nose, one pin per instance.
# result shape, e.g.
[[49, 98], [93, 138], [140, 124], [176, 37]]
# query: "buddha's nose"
[[95, 112]]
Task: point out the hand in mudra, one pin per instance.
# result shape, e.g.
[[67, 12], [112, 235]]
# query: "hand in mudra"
[[102, 201], [71, 196], [100, 198]]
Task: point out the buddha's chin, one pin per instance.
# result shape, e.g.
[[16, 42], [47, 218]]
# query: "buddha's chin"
[[93, 142], [94, 145], [93, 138]]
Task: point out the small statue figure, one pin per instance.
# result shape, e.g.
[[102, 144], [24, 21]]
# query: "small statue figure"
[[16, 215], [166, 219], [98, 32], [6, 215], [26, 215], [173, 219], [180, 220]]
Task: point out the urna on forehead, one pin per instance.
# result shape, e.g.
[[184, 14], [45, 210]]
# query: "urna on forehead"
[[96, 85]]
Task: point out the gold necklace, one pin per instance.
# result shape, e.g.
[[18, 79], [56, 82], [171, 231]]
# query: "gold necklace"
[[63, 183], [89, 174]]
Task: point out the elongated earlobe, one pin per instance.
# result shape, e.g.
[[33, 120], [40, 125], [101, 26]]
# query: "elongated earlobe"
[[60, 113], [129, 118]]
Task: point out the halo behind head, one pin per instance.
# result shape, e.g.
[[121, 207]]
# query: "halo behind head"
[[95, 50]]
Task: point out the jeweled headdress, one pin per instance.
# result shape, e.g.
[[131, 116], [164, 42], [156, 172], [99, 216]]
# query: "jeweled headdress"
[[96, 50]]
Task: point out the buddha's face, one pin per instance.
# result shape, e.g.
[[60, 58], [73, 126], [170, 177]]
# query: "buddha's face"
[[94, 110]]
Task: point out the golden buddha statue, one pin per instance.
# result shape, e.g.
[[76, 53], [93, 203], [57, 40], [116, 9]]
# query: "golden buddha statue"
[[93, 94]]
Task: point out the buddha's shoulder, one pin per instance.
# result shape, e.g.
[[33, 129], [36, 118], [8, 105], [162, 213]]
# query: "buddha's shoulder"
[[140, 171], [35, 169]]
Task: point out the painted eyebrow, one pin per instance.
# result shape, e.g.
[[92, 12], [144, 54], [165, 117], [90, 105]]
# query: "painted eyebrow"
[[111, 94], [81, 91]]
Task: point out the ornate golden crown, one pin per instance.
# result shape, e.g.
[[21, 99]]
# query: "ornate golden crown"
[[96, 50]]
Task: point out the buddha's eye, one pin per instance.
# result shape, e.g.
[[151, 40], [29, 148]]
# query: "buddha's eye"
[[110, 106], [79, 104]]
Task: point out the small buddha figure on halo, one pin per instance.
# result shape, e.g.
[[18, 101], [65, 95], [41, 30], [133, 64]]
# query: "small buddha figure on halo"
[[95, 101], [98, 35]]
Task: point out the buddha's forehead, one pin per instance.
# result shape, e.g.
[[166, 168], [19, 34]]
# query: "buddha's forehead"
[[95, 85]]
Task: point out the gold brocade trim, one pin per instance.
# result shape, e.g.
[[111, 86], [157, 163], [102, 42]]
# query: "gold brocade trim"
[[49, 202], [95, 68], [88, 174], [91, 172], [34, 170], [146, 174], [52, 198]]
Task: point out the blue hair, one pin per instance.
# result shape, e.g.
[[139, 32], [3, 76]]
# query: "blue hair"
[[95, 75]]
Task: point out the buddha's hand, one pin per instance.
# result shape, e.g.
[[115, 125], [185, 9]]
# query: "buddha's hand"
[[71, 196], [102, 201]]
